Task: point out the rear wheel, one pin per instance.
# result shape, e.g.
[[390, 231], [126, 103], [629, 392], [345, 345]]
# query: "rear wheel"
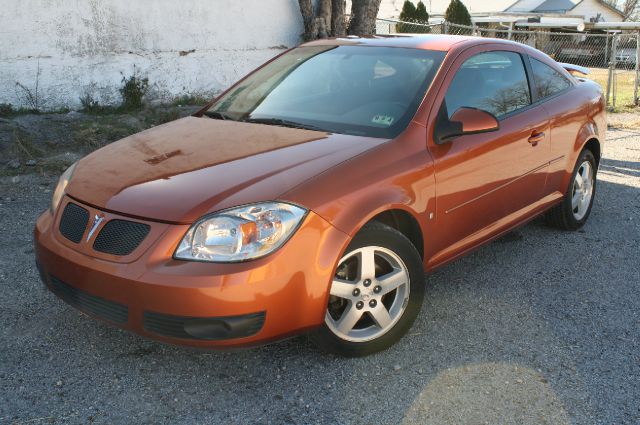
[[575, 208], [375, 295]]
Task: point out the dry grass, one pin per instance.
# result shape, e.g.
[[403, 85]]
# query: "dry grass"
[[625, 81], [625, 114]]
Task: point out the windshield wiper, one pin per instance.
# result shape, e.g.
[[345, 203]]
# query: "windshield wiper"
[[217, 115], [282, 123]]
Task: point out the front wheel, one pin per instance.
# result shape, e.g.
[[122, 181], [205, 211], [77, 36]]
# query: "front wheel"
[[375, 295], [575, 208]]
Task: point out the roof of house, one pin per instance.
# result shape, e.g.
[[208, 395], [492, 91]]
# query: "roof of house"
[[608, 6], [554, 6], [561, 6]]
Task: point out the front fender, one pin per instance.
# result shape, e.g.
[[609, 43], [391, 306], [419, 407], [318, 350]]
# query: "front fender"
[[398, 174]]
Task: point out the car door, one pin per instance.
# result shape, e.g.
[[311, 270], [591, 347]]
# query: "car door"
[[567, 109], [488, 179]]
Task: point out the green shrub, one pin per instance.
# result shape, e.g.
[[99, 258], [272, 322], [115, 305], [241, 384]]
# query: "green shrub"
[[133, 91], [407, 14], [417, 14], [422, 15], [457, 13]]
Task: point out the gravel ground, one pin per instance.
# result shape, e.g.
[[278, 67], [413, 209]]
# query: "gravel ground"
[[541, 326]]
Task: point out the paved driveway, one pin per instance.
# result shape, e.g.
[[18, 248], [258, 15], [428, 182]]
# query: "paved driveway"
[[540, 326]]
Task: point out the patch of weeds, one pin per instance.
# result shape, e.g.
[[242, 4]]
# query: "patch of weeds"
[[133, 90], [90, 105], [23, 147], [160, 116], [191, 99], [88, 136], [24, 111], [87, 139], [6, 109], [62, 110], [31, 97]]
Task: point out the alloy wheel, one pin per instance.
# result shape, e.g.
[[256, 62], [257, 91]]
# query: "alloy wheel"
[[582, 190], [368, 295]]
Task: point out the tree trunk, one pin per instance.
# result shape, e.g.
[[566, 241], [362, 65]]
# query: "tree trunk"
[[317, 24], [363, 17], [328, 19], [306, 10], [324, 18], [338, 27]]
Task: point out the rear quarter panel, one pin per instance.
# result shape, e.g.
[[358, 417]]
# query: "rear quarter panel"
[[576, 116]]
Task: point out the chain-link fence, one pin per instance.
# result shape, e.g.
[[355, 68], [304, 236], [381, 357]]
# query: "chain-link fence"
[[612, 58]]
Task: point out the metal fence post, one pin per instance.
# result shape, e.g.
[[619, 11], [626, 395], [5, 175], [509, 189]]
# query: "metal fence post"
[[637, 68], [612, 70], [614, 61]]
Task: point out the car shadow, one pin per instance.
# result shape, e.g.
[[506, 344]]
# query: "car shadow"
[[627, 168]]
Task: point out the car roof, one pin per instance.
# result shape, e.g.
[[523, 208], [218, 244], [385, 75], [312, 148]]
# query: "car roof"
[[440, 42]]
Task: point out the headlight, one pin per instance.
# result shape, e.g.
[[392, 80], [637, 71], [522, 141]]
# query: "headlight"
[[241, 233], [61, 187]]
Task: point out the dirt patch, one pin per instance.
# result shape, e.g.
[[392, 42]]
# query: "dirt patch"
[[48, 143], [624, 120]]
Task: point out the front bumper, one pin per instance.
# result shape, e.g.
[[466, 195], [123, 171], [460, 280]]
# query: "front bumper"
[[195, 303]]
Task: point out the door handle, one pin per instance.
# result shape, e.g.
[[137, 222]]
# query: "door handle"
[[535, 138]]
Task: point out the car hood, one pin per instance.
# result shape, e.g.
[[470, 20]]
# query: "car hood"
[[181, 170]]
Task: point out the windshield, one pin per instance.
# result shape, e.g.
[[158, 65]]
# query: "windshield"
[[362, 90]]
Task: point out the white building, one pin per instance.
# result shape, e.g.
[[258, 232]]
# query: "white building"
[[547, 13], [590, 10], [69, 48]]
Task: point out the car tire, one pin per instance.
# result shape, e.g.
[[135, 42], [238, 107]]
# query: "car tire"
[[576, 205], [372, 304]]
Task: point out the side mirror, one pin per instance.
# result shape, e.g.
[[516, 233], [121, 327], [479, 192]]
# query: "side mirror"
[[463, 121]]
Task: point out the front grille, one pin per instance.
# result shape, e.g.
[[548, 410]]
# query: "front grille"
[[206, 328], [73, 222], [120, 237], [107, 310]]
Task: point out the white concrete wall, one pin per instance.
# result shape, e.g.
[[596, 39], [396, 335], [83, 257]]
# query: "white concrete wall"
[[183, 47]]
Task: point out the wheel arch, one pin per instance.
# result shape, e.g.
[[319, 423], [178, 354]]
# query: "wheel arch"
[[593, 144], [399, 217], [588, 137], [405, 223]]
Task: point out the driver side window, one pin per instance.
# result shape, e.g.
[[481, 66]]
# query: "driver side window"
[[495, 82]]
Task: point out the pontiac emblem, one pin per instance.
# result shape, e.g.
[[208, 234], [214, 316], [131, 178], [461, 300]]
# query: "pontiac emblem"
[[97, 219]]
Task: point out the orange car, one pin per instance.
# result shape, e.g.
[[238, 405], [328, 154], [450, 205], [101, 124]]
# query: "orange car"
[[315, 193]]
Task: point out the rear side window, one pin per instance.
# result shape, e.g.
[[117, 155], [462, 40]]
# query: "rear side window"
[[548, 80], [495, 82]]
